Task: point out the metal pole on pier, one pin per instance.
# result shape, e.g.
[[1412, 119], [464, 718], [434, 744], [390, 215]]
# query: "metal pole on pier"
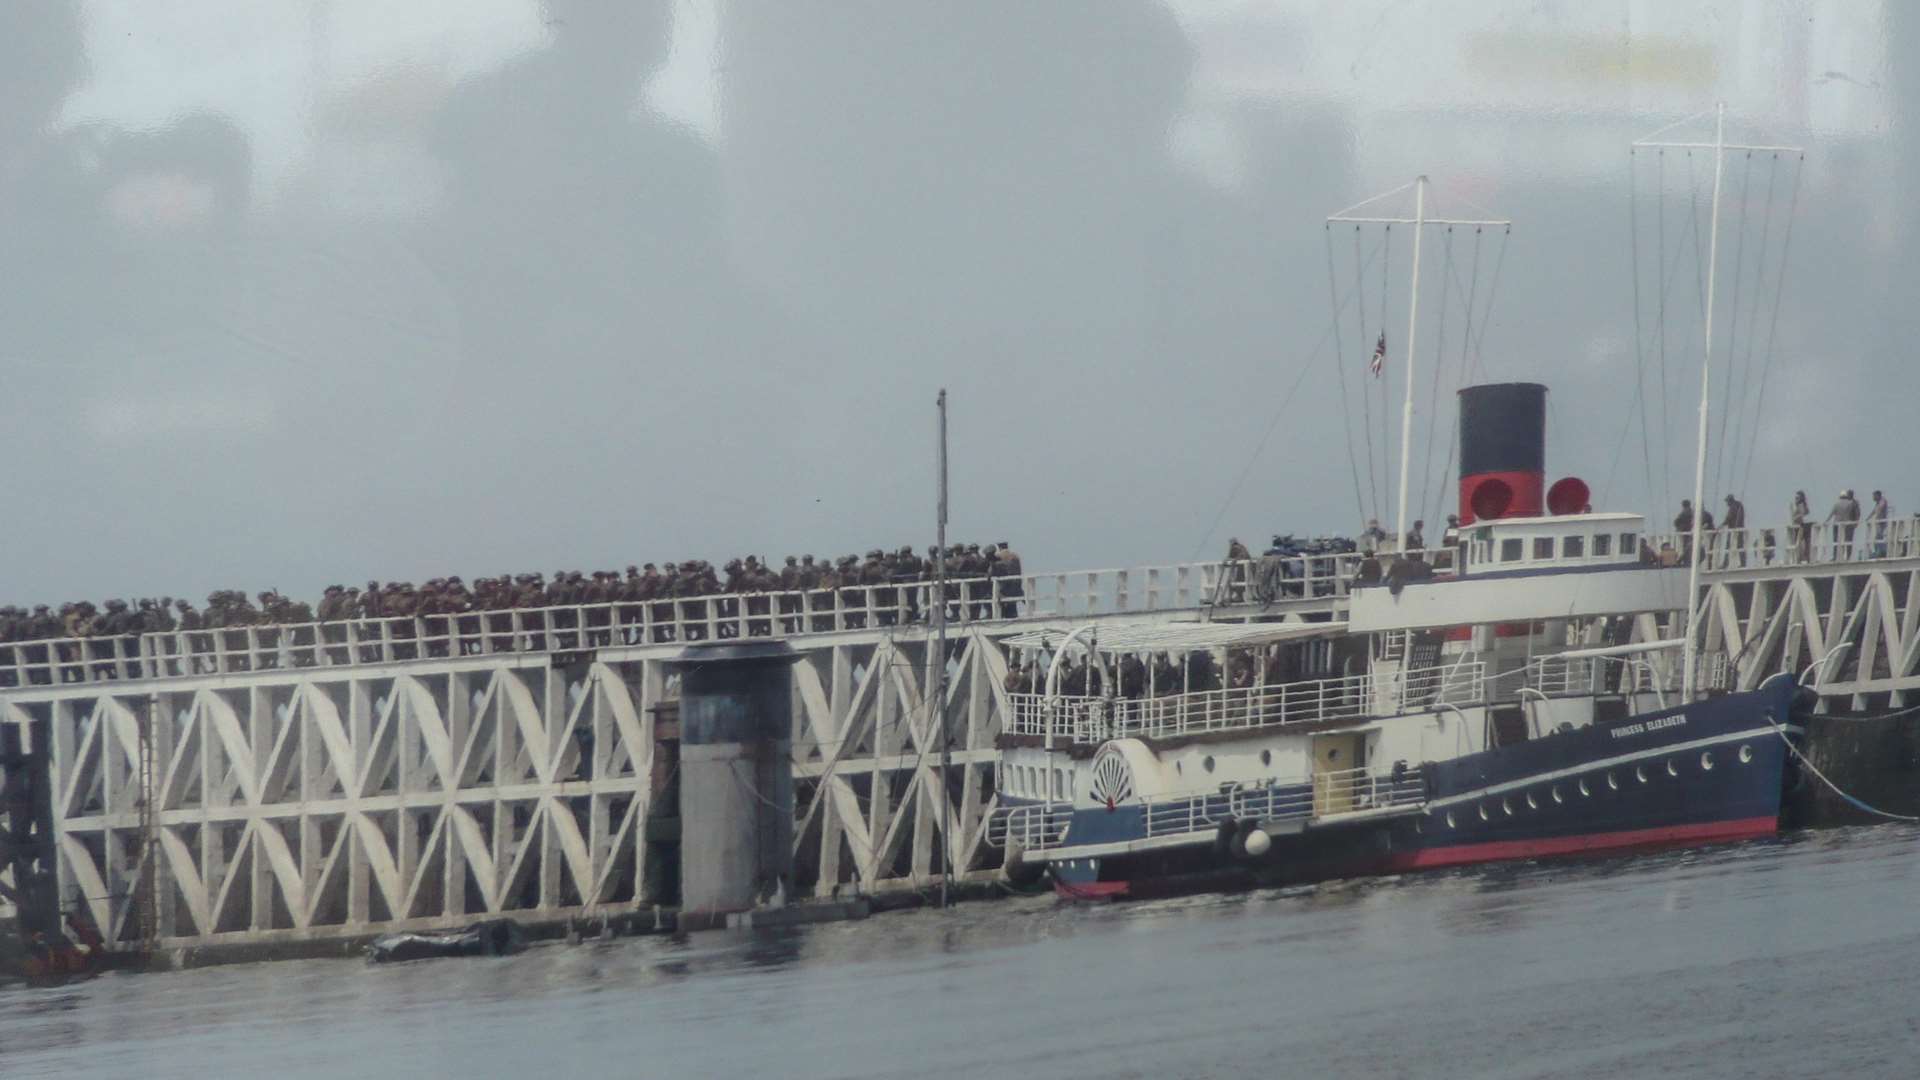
[[940, 661]]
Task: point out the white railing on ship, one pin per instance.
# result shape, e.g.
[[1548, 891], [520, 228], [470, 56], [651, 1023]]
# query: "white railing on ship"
[[1035, 826], [571, 627], [1328, 794], [1096, 719], [1560, 676]]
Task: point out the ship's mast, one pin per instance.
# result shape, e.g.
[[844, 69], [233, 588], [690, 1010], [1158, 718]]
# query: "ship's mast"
[[1413, 323], [1719, 146], [1419, 221]]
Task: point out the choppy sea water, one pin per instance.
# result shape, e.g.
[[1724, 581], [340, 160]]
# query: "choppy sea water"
[[1792, 957]]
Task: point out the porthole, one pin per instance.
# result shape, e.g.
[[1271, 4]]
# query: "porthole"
[[1506, 805], [1207, 763], [1449, 819], [1640, 773], [1613, 781], [1584, 789], [1419, 826], [1672, 769], [1557, 798], [1266, 757], [1746, 754], [1706, 761], [1532, 803], [1483, 811]]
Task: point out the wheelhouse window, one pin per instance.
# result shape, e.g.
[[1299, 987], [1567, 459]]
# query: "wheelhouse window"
[[1510, 550], [1626, 542], [1573, 547], [1603, 545], [1543, 547]]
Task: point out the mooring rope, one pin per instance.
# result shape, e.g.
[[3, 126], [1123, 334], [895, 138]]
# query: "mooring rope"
[[1831, 786]]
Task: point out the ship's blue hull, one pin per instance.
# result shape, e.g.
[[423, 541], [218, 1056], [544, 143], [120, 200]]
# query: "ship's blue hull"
[[1710, 772]]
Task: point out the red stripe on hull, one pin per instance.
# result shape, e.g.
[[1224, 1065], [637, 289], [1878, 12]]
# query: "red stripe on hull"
[[1497, 850], [1090, 890]]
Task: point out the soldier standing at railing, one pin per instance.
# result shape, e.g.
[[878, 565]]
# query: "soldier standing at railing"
[[1798, 516], [909, 572], [1877, 519], [1006, 572], [1236, 570], [877, 575], [976, 566], [788, 584], [1683, 524], [1845, 517], [825, 585], [1735, 522], [760, 583]]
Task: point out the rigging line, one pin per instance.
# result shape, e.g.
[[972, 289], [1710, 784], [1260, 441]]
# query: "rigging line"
[[1466, 342], [1470, 341], [1486, 310], [1619, 447], [1660, 329], [1699, 264], [1340, 374], [1273, 422], [1733, 327], [1639, 335], [1447, 276], [1773, 325], [1366, 403], [1741, 416]]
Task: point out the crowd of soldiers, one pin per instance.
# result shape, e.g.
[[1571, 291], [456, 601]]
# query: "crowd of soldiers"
[[566, 588], [1161, 674]]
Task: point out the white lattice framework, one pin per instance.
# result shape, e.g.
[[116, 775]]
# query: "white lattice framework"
[[1852, 628], [323, 804], [319, 802]]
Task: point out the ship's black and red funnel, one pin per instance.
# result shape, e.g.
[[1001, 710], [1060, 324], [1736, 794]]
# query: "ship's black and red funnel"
[[1503, 451]]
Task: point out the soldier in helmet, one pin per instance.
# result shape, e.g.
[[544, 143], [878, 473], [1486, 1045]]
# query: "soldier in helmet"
[[881, 596], [908, 573], [758, 583], [851, 599], [979, 586], [660, 587], [819, 582]]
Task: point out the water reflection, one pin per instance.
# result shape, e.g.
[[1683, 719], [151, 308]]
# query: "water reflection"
[[1413, 969]]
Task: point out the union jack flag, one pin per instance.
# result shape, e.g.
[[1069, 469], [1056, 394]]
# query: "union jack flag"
[[1378, 361]]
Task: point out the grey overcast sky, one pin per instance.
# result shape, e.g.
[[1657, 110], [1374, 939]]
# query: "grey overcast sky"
[[328, 290]]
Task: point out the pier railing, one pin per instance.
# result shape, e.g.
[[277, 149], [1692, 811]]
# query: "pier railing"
[[1085, 719], [1832, 542], [1184, 586], [564, 628]]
